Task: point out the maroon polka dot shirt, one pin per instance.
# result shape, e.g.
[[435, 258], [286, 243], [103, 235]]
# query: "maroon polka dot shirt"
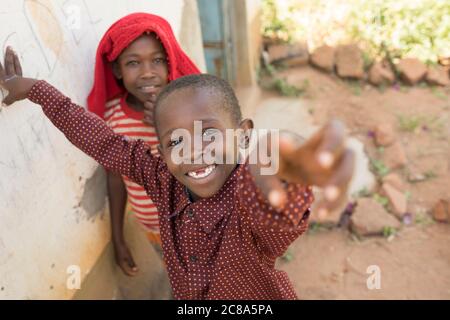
[[223, 247]]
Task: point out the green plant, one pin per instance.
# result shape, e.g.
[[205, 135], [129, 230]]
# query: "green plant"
[[439, 93], [380, 199], [416, 28], [275, 25], [363, 193], [389, 29], [315, 227], [408, 195], [422, 218], [409, 123], [288, 255], [430, 174], [379, 167], [389, 231], [355, 87], [285, 89]]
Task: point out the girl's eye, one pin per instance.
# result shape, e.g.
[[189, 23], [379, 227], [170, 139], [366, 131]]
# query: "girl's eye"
[[159, 60], [132, 63], [175, 142]]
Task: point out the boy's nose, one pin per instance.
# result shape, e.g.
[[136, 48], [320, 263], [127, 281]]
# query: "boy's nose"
[[196, 152]]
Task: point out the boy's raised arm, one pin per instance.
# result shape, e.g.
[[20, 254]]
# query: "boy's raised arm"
[[91, 134], [84, 129]]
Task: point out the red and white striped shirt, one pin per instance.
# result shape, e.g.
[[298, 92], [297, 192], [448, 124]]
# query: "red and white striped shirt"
[[128, 122]]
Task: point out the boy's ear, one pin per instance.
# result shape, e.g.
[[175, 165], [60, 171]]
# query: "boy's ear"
[[246, 124], [116, 70]]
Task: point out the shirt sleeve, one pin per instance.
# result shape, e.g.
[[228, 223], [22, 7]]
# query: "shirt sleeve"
[[89, 133], [274, 229]]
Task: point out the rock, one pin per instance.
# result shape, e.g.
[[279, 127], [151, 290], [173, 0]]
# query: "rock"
[[397, 199], [296, 61], [323, 58], [289, 54], [370, 218], [394, 156], [416, 177], [395, 180], [349, 62], [411, 70], [380, 73], [441, 211], [362, 177], [437, 75], [384, 134]]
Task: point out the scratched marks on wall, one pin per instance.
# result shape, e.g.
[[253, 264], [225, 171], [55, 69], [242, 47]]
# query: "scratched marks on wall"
[[45, 29]]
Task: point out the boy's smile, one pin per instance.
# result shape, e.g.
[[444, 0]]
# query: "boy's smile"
[[142, 67], [179, 111]]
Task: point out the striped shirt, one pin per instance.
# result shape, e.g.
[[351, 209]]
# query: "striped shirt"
[[128, 122]]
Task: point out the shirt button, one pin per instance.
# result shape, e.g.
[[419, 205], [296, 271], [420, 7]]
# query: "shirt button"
[[190, 213], [193, 258]]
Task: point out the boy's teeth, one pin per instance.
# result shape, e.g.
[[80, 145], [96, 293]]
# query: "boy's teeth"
[[201, 173]]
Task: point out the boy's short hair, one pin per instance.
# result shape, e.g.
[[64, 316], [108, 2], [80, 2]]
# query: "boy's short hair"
[[217, 86]]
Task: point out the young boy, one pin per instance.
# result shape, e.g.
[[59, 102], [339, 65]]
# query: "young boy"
[[224, 224], [130, 70]]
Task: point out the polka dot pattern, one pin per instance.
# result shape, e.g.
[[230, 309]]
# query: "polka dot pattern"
[[223, 247]]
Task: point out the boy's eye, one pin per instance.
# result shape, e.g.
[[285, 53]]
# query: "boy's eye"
[[209, 132], [175, 142]]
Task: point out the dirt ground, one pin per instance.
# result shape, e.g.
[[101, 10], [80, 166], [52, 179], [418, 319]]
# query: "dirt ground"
[[415, 263]]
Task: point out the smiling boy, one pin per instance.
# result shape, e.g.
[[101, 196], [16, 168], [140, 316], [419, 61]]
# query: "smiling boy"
[[221, 231]]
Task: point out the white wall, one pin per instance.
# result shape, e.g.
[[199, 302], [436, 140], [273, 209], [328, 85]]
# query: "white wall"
[[52, 197]]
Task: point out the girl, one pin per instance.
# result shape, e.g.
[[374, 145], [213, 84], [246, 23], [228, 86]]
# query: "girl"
[[136, 58]]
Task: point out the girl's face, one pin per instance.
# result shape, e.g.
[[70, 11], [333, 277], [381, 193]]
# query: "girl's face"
[[142, 67]]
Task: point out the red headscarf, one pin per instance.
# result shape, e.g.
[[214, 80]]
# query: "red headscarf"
[[116, 39]]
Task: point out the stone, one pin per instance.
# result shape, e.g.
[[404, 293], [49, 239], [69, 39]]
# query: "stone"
[[397, 199], [437, 75], [289, 54], [395, 180], [370, 218], [394, 156], [384, 135], [381, 74], [323, 58], [296, 61], [414, 177], [411, 70], [363, 178], [349, 62], [441, 211]]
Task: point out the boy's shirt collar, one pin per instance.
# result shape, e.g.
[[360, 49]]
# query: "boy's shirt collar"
[[130, 112], [208, 219]]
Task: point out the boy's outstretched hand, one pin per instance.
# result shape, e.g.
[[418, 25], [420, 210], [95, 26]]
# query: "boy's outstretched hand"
[[322, 161], [11, 78]]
